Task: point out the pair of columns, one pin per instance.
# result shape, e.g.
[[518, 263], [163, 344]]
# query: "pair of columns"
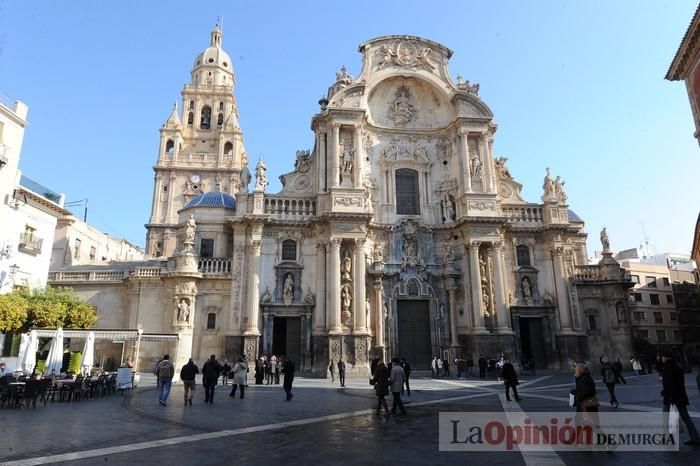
[[486, 160], [501, 306], [335, 154], [332, 277]]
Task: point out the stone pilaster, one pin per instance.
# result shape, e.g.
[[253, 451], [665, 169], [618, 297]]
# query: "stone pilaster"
[[319, 312], [452, 297], [475, 274], [252, 309], [359, 288], [464, 157], [565, 322], [379, 315], [335, 157], [359, 157], [333, 287], [502, 310]]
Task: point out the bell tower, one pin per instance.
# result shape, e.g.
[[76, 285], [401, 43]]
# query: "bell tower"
[[201, 147]]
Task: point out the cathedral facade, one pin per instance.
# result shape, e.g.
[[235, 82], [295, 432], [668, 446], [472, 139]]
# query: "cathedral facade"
[[399, 233]]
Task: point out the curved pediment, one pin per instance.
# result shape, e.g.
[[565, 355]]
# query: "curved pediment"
[[470, 106]]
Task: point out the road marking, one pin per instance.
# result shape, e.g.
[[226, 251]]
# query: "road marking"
[[80, 455], [515, 414]]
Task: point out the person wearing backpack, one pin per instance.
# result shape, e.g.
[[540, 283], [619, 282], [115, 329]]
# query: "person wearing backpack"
[[187, 374], [609, 378], [165, 371]]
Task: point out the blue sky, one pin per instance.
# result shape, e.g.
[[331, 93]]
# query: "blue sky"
[[576, 86]]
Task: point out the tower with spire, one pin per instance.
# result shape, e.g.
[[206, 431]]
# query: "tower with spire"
[[201, 146]]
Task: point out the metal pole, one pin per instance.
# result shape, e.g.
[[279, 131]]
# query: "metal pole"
[[85, 211], [138, 349]]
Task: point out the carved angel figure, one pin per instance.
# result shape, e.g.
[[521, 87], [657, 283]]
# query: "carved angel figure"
[[389, 55], [309, 298], [183, 311], [548, 187], [475, 165], [559, 190], [260, 176], [190, 228], [266, 297], [501, 168]]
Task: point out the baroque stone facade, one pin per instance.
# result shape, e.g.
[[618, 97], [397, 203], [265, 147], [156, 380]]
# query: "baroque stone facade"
[[398, 234]]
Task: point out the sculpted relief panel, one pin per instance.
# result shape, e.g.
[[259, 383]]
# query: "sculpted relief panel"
[[408, 103]]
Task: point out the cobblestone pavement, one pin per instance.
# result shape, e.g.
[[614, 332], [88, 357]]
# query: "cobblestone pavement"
[[323, 424]]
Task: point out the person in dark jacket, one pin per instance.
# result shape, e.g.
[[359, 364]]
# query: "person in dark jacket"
[[674, 393], [259, 371], [210, 376], [482, 367], [407, 371], [510, 379], [341, 372], [288, 371], [225, 373], [607, 372], [584, 392], [187, 374], [381, 386], [617, 367]]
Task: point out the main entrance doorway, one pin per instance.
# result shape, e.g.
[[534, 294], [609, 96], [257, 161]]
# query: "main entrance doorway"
[[532, 341], [286, 337], [413, 331]]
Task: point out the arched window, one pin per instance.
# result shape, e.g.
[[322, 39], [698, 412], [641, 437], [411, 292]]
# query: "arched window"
[[191, 104], [407, 195], [221, 106], [169, 146], [220, 119], [523, 253], [205, 120], [211, 321], [190, 118], [228, 148], [289, 250]]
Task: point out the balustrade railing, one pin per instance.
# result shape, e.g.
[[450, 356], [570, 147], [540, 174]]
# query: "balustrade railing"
[[213, 265], [290, 208], [526, 213], [587, 272]]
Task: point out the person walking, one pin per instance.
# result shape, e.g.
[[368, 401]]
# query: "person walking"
[[165, 371], [674, 393], [273, 368], [609, 379], [482, 367], [380, 377], [433, 366], [259, 371], [278, 369], [407, 373], [240, 376], [396, 379], [331, 370], [225, 373], [288, 371], [585, 401], [439, 367], [341, 371], [636, 366], [446, 368], [510, 379], [187, 374], [617, 367], [210, 376]]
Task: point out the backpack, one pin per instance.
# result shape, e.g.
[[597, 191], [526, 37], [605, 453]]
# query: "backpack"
[[610, 376], [164, 369]]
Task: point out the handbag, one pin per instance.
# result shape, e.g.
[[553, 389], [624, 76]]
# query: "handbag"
[[673, 419], [590, 403], [572, 400], [372, 381]]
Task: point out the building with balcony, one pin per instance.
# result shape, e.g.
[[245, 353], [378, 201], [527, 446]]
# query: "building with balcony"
[[399, 233]]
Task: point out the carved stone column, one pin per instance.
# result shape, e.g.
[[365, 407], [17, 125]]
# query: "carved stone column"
[[452, 295], [359, 158], [464, 157], [169, 207], [334, 157], [379, 315], [501, 302], [359, 288], [562, 291], [476, 287], [319, 312], [333, 287], [488, 161], [252, 310], [322, 161]]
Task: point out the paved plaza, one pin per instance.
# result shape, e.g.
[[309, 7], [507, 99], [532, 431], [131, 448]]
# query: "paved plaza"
[[324, 424]]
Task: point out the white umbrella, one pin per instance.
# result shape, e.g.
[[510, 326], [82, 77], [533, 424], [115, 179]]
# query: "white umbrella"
[[29, 360], [22, 355], [55, 359], [88, 353]]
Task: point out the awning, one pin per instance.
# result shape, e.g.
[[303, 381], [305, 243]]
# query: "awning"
[[107, 334]]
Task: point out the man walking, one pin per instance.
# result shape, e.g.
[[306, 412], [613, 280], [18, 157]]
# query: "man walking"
[[482, 367], [510, 379], [674, 394], [396, 380], [407, 373], [187, 374], [210, 376], [288, 371], [165, 372], [240, 376], [434, 367], [610, 379], [341, 371]]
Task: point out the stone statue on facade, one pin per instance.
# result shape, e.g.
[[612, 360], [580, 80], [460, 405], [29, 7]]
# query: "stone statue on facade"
[[266, 296], [401, 111], [346, 305], [346, 269], [548, 188], [548, 299], [368, 310], [288, 290], [449, 255], [448, 209], [527, 290], [190, 228], [605, 240], [309, 297], [346, 159], [501, 169], [475, 166], [410, 245], [183, 311], [245, 180], [378, 252], [559, 190], [261, 176], [343, 77]]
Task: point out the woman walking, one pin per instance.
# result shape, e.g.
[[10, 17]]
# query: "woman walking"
[[585, 399], [381, 386], [240, 377]]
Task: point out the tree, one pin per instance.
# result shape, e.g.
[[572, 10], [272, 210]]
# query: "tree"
[[49, 307]]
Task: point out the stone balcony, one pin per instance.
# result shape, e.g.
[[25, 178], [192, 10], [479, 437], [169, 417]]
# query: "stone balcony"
[[214, 265], [288, 208], [88, 276], [30, 243], [524, 215]]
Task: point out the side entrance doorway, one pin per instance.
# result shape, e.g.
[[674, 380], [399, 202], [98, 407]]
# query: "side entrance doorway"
[[532, 341], [413, 333], [286, 338]]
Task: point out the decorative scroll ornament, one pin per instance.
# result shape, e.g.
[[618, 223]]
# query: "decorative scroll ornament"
[[405, 53]]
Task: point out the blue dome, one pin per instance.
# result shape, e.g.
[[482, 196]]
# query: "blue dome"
[[213, 199]]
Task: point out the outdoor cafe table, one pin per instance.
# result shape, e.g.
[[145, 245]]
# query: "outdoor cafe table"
[[59, 384]]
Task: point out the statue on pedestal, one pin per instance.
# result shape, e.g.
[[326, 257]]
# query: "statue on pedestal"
[[183, 311], [266, 296], [346, 269], [605, 240], [309, 298], [261, 176], [346, 305], [475, 166], [288, 290]]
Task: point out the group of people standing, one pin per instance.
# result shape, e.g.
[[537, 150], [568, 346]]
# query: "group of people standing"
[[212, 370], [390, 378]]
